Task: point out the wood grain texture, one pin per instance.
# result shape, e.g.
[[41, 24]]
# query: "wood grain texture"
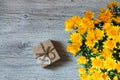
[[26, 23]]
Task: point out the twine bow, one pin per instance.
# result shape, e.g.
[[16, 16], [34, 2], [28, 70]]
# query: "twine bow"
[[46, 53]]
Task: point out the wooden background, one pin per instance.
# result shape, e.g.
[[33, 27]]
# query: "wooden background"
[[26, 23]]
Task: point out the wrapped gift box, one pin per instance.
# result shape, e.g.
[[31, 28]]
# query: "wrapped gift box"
[[46, 53]]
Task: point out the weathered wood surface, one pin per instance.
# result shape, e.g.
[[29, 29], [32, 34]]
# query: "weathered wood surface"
[[26, 23]]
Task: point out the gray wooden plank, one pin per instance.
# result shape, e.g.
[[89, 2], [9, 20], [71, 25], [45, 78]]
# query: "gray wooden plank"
[[26, 23]]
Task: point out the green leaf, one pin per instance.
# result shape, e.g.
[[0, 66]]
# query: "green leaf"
[[70, 42], [80, 53]]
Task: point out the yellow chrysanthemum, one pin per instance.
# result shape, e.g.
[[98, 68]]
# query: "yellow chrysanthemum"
[[107, 25], [82, 70], [76, 20], [97, 76], [117, 20], [76, 38], [85, 77], [110, 44], [117, 38], [89, 78], [86, 22], [105, 16], [118, 67], [106, 53], [105, 77], [98, 34], [109, 64], [112, 4], [94, 50], [82, 29], [90, 39], [72, 22], [69, 25], [91, 70], [112, 32], [115, 78], [89, 14], [73, 48], [81, 60], [96, 21], [97, 62], [102, 10], [90, 42]]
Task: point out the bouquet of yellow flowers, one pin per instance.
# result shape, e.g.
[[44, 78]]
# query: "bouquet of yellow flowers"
[[96, 42]]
